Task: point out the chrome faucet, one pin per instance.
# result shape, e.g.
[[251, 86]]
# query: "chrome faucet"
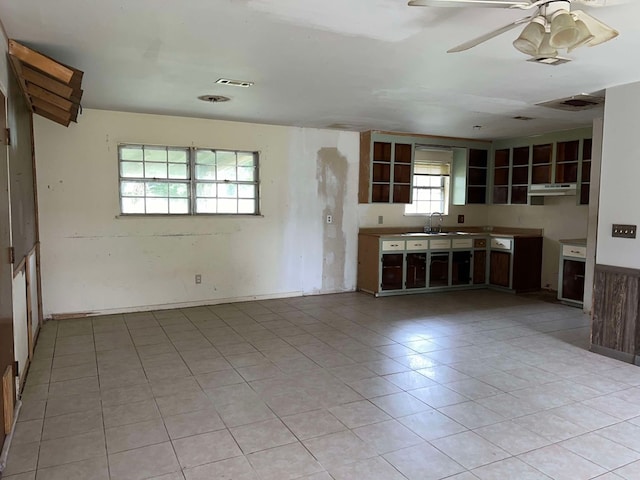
[[429, 228]]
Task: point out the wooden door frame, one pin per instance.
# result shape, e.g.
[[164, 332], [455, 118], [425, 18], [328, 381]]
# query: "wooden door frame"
[[7, 354]]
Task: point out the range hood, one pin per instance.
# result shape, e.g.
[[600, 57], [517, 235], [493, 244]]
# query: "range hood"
[[553, 190]]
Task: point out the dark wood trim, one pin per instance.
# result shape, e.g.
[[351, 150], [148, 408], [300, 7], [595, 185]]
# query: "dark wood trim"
[[19, 267], [615, 354], [39, 285], [8, 399], [27, 281]]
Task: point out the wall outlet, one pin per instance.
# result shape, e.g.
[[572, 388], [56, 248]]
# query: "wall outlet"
[[380, 219], [329, 218], [460, 218], [198, 278], [624, 231]]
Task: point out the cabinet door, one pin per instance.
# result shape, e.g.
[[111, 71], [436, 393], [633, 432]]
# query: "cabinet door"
[[391, 271], [586, 171], [501, 176], [479, 267], [402, 172], [499, 269], [381, 172], [477, 176], [461, 268], [439, 269], [573, 280], [416, 276], [541, 163]]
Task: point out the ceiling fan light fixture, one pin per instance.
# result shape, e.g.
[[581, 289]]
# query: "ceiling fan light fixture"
[[531, 37], [564, 31], [584, 37], [546, 49], [601, 32]]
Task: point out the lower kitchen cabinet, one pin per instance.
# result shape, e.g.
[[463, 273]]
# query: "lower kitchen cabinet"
[[439, 269], [571, 273], [516, 263], [500, 269], [401, 264], [461, 268], [416, 270], [392, 271], [479, 267]]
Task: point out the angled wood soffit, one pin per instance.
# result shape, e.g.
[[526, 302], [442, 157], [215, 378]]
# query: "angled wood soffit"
[[52, 89]]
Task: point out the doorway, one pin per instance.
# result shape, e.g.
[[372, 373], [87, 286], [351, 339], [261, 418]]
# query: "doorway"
[[7, 394]]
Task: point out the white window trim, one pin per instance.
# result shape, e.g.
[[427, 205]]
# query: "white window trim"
[[192, 183], [446, 190]]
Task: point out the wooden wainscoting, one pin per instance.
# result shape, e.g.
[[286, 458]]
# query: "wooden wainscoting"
[[615, 329]]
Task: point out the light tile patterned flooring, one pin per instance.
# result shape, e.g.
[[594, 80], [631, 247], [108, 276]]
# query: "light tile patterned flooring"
[[465, 385]]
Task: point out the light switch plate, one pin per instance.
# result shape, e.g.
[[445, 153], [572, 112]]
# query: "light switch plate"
[[624, 231]]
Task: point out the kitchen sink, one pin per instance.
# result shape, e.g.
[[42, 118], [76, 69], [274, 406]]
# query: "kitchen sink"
[[435, 234]]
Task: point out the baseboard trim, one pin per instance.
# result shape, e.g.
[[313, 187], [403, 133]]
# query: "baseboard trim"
[[196, 303], [615, 354]]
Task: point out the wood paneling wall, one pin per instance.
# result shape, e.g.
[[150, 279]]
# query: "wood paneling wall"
[[616, 310]]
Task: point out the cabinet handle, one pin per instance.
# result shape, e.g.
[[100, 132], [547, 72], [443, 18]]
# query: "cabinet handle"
[[393, 245], [575, 251]]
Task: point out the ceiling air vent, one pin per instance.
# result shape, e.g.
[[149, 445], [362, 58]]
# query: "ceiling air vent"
[[234, 83], [576, 103], [554, 61], [214, 98]]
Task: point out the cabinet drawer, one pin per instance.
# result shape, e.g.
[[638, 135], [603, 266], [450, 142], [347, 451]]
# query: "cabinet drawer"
[[501, 243], [573, 251], [417, 244], [462, 243], [480, 243], [392, 245], [440, 244]]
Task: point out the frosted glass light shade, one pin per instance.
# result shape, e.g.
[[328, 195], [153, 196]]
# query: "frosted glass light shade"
[[531, 37], [546, 49], [564, 31], [584, 37], [601, 32]]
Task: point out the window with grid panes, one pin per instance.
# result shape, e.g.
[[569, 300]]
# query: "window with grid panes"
[[187, 181], [430, 187]]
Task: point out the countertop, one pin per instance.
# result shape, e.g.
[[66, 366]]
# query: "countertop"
[[578, 242], [450, 232]]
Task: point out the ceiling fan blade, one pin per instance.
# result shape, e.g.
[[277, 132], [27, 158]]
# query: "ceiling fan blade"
[[488, 36], [601, 32], [470, 3]]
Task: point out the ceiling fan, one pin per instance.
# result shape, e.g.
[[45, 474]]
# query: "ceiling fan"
[[551, 26]]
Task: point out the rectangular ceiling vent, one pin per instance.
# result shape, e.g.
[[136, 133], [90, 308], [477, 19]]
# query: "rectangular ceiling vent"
[[554, 61], [576, 103], [234, 83]]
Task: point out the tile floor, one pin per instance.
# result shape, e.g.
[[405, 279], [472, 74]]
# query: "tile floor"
[[463, 386]]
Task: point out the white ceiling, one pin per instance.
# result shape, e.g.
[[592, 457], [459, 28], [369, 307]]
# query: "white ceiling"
[[369, 64]]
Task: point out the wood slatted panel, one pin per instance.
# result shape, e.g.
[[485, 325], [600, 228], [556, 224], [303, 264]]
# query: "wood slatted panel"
[[7, 399], [52, 88], [616, 309]]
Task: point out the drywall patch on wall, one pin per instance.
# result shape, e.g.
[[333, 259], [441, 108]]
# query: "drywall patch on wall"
[[332, 174]]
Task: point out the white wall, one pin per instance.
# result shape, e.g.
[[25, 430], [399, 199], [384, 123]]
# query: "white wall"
[[95, 261], [20, 332], [620, 170]]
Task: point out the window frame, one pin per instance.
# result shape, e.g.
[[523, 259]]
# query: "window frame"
[[191, 181], [446, 189]]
